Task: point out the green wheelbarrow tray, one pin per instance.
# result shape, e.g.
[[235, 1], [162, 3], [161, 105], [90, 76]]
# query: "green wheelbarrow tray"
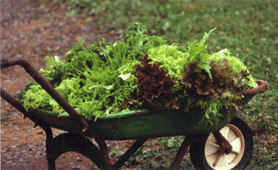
[[134, 125]]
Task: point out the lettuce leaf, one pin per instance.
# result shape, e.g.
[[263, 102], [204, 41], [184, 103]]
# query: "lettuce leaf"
[[235, 63], [198, 51], [171, 59], [36, 97]]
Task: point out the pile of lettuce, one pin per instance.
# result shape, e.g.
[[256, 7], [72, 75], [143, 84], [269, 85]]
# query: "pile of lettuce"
[[142, 72]]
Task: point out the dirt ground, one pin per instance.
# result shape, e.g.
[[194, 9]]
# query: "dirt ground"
[[31, 31]]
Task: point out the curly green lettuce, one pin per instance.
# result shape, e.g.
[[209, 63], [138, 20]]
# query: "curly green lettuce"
[[235, 63], [171, 59]]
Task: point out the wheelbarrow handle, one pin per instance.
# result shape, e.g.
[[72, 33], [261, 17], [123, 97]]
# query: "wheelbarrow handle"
[[4, 63], [263, 87], [48, 88], [59, 99]]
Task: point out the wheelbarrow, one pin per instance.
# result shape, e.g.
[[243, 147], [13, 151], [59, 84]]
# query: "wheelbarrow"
[[226, 145]]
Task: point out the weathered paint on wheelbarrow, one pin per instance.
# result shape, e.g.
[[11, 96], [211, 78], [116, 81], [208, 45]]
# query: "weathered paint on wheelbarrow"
[[157, 124], [144, 124]]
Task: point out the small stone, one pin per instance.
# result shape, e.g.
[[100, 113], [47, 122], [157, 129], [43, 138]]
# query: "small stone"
[[78, 159], [40, 132], [14, 139], [77, 167], [16, 128], [9, 162], [14, 146]]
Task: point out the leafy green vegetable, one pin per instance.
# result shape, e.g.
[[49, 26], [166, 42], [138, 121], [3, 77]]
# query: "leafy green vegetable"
[[135, 29], [22, 94], [235, 63], [171, 59], [154, 85], [215, 94], [54, 70], [36, 97], [198, 50], [142, 72]]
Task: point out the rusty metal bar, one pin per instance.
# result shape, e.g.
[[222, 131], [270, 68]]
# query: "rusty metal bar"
[[182, 150], [129, 153], [62, 102], [15, 103], [50, 89]]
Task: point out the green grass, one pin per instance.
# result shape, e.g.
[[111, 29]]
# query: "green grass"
[[248, 28]]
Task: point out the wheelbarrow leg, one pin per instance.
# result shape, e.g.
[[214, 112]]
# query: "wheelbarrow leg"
[[48, 142], [51, 164], [49, 155], [182, 150], [129, 153], [76, 143]]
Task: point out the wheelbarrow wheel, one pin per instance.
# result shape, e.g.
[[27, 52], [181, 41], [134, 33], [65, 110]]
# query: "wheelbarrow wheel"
[[205, 153]]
